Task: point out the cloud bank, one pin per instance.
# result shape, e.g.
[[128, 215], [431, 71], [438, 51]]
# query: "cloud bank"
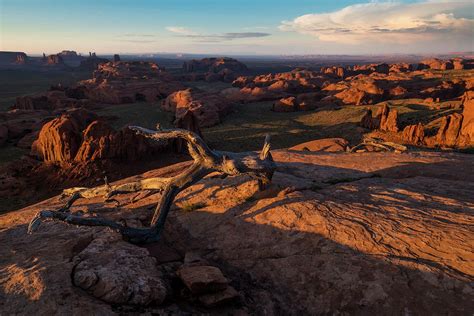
[[389, 22], [185, 32]]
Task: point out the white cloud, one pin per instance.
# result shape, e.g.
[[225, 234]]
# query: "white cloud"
[[199, 37], [181, 30], [389, 22]]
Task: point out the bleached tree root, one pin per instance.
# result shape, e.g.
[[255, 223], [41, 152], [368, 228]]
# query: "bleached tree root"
[[260, 166], [380, 144]]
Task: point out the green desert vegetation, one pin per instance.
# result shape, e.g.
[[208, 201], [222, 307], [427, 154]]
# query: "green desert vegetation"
[[15, 83]]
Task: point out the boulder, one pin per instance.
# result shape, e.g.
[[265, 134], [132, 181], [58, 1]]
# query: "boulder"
[[118, 272], [203, 279]]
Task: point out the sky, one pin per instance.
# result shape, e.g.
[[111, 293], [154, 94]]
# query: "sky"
[[253, 27]]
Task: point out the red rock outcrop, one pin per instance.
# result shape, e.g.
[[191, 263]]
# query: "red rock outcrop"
[[277, 86], [367, 235], [401, 67], [368, 121], [339, 72], [455, 63], [190, 122], [206, 107], [78, 136], [53, 99], [449, 131], [60, 139], [128, 82], [414, 134], [302, 102], [285, 105], [386, 119], [367, 69], [467, 128], [437, 64], [398, 92]]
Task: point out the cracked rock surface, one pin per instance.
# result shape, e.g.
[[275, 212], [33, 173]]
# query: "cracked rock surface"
[[336, 233], [118, 272]]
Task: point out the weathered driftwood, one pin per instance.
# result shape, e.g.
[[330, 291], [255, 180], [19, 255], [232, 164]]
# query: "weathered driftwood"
[[378, 143], [260, 166]]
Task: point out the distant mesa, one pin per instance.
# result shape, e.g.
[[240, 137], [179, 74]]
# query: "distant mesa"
[[214, 69], [13, 58], [128, 82], [92, 62], [214, 65], [68, 53], [54, 60]]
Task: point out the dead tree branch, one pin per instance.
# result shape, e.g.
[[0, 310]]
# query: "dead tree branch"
[[378, 143], [258, 165]]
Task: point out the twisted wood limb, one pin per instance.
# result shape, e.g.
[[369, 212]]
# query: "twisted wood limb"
[[259, 166], [386, 146]]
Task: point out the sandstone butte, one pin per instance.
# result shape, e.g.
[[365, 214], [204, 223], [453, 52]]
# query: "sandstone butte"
[[335, 233]]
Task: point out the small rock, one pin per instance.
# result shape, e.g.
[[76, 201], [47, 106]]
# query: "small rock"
[[203, 279]]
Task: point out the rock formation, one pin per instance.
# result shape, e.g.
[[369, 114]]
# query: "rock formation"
[[118, 273], [386, 119], [207, 108], [13, 58], [92, 62], [128, 82], [214, 65], [55, 98], [78, 136], [354, 221], [339, 72], [54, 59], [414, 134]]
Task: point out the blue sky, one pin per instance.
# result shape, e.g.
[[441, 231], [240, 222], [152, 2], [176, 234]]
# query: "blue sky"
[[239, 27]]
